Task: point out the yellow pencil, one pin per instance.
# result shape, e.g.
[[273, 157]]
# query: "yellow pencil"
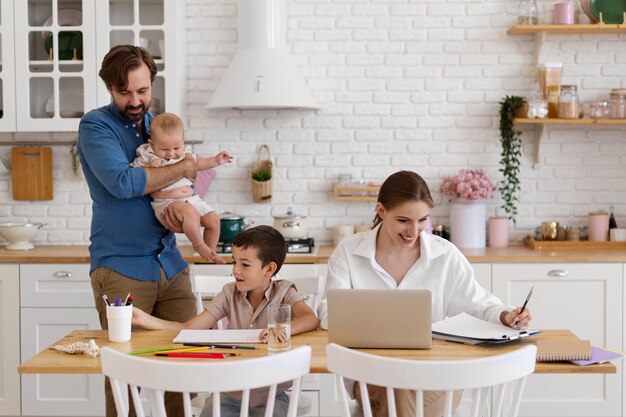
[[193, 349]]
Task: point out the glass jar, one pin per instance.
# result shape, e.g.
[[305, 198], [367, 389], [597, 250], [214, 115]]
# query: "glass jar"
[[549, 77], [617, 106], [527, 12], [569, 103], [344, 180], [598, 109]]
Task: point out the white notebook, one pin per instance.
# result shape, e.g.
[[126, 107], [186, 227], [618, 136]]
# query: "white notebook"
[[218, 336], [465, 326]]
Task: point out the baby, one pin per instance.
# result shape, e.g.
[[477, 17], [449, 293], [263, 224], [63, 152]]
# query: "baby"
[[167, 146]]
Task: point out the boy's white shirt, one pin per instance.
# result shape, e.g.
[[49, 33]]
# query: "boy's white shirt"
[[441, 268]]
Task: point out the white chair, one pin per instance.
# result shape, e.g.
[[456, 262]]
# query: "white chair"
[[479, 375], [208, 286], [155, 376], [310, 287]]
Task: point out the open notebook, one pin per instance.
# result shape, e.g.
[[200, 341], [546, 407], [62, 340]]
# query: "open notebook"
[[471, 330], [218, 336]]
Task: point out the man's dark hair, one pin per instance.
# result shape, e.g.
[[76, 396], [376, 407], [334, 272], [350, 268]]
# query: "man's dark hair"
[[268, 242], [122, 59]]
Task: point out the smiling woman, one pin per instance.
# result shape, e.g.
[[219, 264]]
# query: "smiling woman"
[[397, 254]]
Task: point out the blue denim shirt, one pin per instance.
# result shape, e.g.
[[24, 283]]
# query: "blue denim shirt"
[[125, 234]]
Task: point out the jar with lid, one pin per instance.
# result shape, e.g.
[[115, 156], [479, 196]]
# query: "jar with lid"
[[617, 105], [527, 12], [344, 180], [569, 103]]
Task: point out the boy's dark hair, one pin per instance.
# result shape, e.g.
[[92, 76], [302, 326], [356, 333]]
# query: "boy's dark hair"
[[122, 59], [268, 242]]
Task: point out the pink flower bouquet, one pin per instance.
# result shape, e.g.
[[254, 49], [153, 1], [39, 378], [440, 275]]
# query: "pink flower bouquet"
[[469, 184]]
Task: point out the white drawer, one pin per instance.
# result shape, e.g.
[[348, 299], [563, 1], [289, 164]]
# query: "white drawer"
[[55, 285]]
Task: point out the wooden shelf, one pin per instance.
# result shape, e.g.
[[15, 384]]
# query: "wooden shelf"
[[598, 28], [524, 121], [366, 192]]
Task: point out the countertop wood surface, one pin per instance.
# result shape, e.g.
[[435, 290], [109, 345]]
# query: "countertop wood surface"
[[511, 254], [53, 362]]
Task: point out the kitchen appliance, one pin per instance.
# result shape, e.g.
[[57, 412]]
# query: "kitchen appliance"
[[20, 234], [231, 225], [300, 245], [305, 245], [291, 225], [262, 74]]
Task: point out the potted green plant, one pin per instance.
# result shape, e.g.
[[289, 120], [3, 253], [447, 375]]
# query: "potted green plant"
[[261, 177], [262, 174], [511, 140]]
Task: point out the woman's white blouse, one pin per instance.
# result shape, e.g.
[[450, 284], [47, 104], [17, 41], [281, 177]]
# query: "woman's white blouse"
[[441, 268]]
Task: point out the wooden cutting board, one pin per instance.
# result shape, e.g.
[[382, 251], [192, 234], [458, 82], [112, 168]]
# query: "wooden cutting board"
[[31, 170]]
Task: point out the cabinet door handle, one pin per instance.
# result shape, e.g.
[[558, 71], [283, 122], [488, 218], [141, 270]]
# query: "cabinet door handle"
[[63, 274], [557, 273]]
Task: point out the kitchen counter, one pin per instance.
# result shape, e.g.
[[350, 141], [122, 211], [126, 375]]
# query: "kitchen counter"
[[511, 254]]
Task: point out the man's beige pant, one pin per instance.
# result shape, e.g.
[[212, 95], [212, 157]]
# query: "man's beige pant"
[[434, 401]]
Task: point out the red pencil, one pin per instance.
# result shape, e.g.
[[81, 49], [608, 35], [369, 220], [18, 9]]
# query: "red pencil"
[[197, 355]]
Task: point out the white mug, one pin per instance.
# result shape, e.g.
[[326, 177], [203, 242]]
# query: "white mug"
[[119, 320]]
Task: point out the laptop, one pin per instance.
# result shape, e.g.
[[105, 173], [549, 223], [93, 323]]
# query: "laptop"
[[393, 319]]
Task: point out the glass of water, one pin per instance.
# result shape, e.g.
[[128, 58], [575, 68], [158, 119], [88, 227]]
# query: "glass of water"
[[279, 328]]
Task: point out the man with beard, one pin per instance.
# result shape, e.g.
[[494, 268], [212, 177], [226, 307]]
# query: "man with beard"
[[130, 251]]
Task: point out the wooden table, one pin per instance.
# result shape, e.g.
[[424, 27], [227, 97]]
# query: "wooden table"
[[54, 362]]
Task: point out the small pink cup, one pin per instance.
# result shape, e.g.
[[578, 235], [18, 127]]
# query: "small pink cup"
[[564, 14], [598, 225], [498, 232]]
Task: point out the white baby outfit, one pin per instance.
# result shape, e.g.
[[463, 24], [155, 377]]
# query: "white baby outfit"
[[145, 156]]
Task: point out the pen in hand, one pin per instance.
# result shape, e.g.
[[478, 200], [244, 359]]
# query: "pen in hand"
[[527, 298]]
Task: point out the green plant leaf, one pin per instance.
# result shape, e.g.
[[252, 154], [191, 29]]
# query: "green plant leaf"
[[262, 174], [511, 141]]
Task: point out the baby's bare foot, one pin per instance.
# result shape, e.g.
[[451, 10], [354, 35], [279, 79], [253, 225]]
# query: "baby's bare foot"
[[205, 252], [217, 259]]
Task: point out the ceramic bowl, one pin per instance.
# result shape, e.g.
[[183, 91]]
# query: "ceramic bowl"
[[19, 235]]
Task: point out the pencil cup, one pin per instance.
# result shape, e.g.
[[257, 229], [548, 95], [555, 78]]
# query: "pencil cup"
[[279, 328], [119, 319]]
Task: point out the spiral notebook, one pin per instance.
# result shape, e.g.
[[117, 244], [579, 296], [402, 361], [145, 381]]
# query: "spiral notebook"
[[563, 350]]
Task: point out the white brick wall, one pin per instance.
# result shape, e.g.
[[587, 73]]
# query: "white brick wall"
[[402, 84]]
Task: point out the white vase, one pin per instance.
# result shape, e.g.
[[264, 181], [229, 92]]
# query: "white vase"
[[467, 224]]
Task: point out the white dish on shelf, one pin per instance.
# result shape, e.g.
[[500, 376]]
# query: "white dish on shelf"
[[67, 17], [70, 101]]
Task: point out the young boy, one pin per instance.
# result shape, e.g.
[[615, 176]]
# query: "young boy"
[[258, 254], [166, 146]]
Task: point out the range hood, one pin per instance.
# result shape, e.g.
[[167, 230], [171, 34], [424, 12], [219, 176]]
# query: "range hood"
[[262, 74]]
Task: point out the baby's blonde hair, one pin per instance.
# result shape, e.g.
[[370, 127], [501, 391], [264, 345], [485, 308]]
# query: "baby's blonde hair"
[[167, 123]]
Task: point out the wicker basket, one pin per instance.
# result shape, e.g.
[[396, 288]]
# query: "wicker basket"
[[262, 190]]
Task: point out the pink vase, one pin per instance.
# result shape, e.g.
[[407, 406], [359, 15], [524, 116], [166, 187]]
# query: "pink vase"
[[498, 232]]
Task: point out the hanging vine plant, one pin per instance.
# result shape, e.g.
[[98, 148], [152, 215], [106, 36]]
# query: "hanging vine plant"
[[511, 140]]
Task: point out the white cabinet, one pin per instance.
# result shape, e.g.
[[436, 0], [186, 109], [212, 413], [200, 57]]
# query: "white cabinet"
[[586, 299], [7, 68], [9, 339], [55, 300], [56, 89]]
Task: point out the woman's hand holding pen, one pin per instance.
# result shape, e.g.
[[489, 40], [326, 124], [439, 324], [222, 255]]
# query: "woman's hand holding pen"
[[517, 319]]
